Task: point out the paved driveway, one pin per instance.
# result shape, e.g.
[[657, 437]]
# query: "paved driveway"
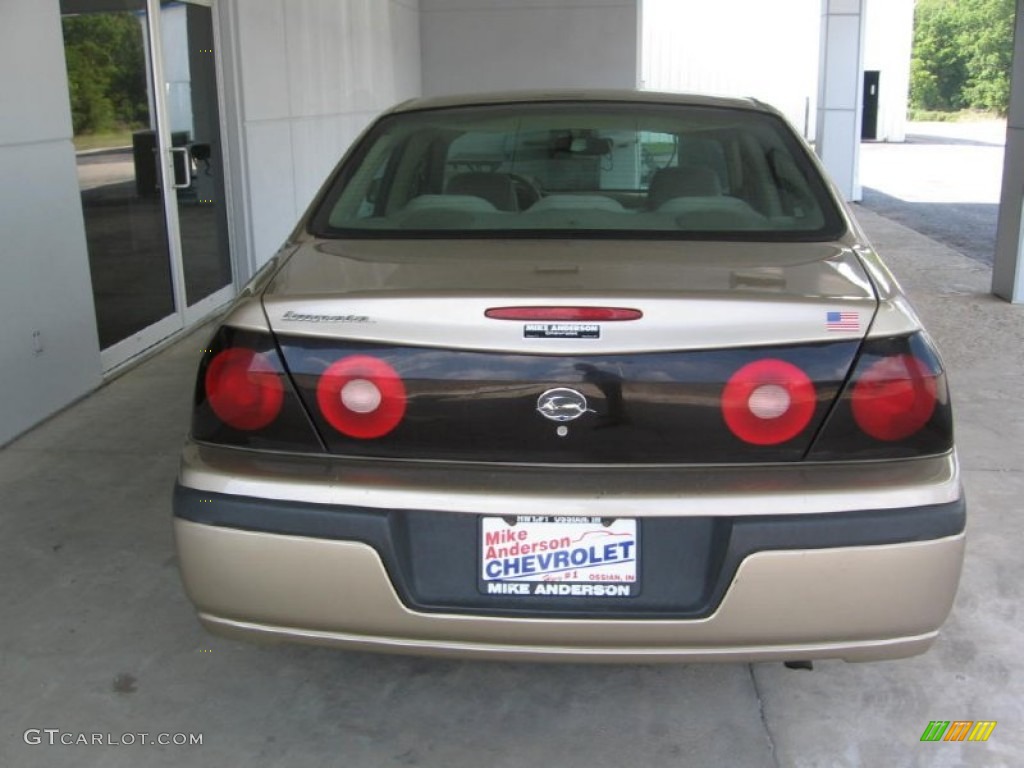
[[943, 182]]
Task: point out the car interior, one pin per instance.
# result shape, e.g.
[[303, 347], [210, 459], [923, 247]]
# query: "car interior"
[[723, 178]]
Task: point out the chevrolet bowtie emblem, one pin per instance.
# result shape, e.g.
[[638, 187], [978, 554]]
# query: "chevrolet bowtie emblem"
[[562, 404]]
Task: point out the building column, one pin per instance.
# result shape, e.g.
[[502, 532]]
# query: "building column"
[[1008, 269], [840, 82]]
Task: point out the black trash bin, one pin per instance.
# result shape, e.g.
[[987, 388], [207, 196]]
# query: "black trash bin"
[[144, 154]]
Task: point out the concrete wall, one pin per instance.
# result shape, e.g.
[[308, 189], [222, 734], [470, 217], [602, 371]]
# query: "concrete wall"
[[303, 78], [44, 270], [485, 45], [700, 47], [888, 39], [1008, 269], [773, 55], [840, 89]]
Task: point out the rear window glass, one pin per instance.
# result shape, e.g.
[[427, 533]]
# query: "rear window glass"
[[553, 169]]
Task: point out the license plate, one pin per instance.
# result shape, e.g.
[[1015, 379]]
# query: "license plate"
[[559, 556]]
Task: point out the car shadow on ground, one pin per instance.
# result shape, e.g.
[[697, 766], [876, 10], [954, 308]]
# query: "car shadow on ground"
[[969, 228], [923, 138]]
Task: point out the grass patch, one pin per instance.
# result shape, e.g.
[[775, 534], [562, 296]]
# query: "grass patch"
[[960, 116], [106, 140]]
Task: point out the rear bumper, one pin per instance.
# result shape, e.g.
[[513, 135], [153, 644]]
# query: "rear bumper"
[[855, 603], [859, 583]]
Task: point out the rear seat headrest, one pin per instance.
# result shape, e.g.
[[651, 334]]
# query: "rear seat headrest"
[[684, 181], [497, 188]]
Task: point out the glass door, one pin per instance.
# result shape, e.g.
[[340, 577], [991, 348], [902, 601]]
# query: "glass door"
[[149, 165], [193, 118], [119, 176]]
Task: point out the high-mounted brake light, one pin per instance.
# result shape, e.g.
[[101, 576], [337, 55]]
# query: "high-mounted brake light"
[[361, 396], [564, 314], [768, 402], [243, 389], [894, 398]]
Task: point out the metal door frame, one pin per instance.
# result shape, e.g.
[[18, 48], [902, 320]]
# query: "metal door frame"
[[184, 316]]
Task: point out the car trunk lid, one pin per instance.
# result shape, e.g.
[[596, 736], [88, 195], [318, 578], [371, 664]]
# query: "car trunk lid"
[[692, 295], [646, 390]]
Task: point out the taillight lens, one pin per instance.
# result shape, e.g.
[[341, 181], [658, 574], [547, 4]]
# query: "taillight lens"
[[768, 402], [245, 397], [243, 389], [361, 396], [894, 398], [895, 405]]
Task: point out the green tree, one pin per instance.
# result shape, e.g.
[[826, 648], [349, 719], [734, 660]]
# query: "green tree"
[[989, 45], [937, 67], [962, 54], [91, 109], [106, 71]]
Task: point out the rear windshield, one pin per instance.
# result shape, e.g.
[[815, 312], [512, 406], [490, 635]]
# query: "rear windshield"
[[605, 170]]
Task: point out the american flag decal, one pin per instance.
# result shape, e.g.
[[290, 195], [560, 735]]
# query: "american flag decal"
[[842, 321]]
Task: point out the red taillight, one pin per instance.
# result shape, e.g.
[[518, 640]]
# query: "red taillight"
[[768, 402], [894, 398], [361, 396], [564, 314], [243, 389]]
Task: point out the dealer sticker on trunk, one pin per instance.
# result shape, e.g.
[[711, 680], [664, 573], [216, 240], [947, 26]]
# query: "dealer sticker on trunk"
[[559, 556], [562, 331]]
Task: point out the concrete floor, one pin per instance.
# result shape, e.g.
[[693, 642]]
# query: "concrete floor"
[[96, 635]]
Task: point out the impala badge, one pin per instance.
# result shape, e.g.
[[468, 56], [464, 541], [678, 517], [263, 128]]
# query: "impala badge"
[[562, 404]]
